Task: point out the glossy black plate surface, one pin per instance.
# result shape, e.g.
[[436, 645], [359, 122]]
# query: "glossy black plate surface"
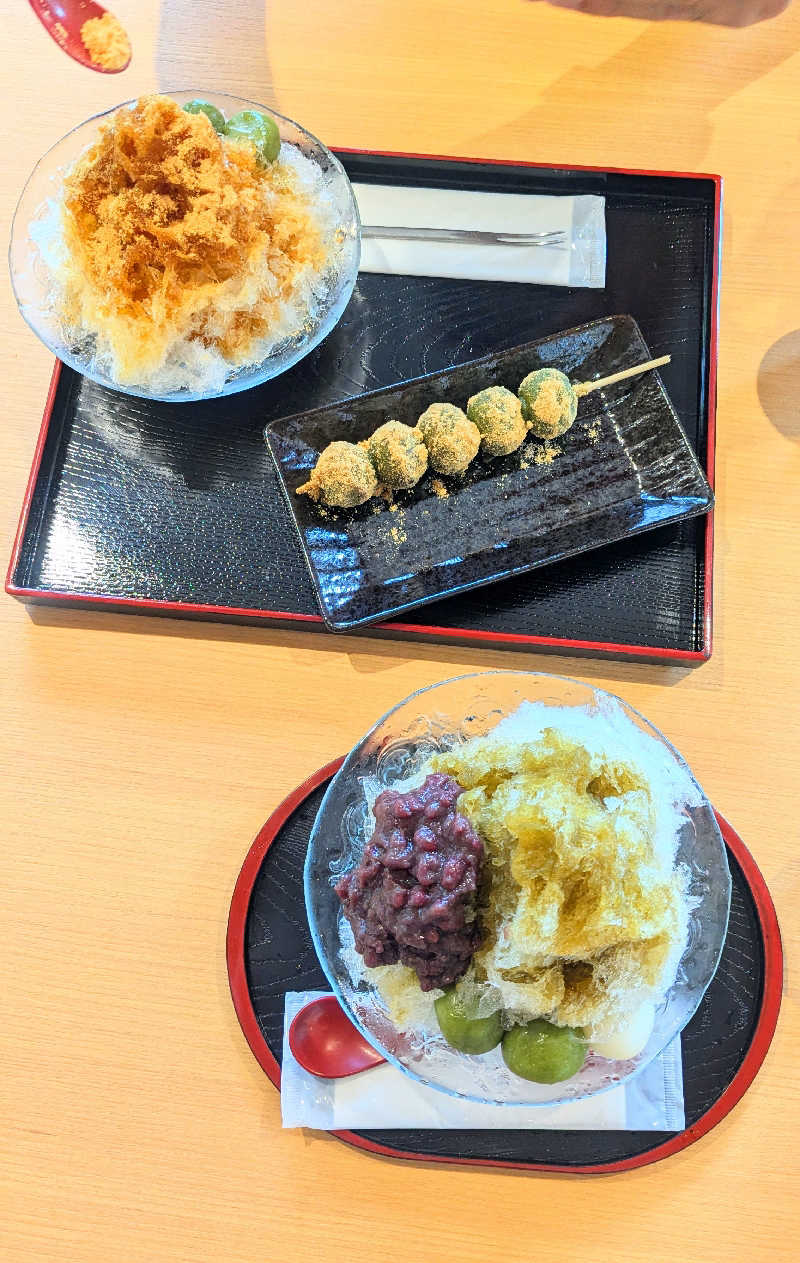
[[177, 509], [624, 467]]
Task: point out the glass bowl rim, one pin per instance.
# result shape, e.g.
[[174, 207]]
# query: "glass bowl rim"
[[233, 388], [322, 958]]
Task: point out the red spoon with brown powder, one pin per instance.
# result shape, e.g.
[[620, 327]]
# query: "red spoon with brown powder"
[[87, 33]]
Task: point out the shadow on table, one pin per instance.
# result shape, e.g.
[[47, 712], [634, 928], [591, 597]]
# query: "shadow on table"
[[214, 46], [368, 655], [626, 95], [779, 384]]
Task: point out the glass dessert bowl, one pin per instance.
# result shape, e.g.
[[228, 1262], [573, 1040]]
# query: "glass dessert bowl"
[[39, 259], [439, 723]]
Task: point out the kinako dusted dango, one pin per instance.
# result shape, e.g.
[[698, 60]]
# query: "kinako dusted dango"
[[497, 413], [398, 455], [447, 440], [451, 438], [343, 477], [549, 402]]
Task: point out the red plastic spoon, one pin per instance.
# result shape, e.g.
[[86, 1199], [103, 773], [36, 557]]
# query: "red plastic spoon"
[[63, 19], [325, 1042]]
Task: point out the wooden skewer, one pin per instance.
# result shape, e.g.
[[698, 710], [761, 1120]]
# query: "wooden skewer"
[[586, 388]]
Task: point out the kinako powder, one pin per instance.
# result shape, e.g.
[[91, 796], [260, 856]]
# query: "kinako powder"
[[174, 233], [106, 42]]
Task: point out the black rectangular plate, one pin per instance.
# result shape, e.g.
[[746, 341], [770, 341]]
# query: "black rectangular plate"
[[624, 467], [177, 509]]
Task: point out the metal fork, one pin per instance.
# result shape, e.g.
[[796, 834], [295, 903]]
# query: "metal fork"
[[554, 240]]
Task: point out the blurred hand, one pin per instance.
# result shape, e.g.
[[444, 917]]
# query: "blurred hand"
[[719, 12]]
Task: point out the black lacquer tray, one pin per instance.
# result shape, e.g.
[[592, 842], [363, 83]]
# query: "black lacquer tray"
[[270, 952], [176, 509]]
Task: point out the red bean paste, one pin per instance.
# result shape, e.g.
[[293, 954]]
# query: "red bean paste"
[[412, 897]]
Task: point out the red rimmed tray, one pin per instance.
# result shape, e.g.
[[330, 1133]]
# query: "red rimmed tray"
[[142, 508], [268, 941]]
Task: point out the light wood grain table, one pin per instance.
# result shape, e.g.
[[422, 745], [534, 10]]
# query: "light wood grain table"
[[140, 757]]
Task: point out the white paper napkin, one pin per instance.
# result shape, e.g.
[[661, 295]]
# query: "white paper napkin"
[[385, 1097], [581, 263]]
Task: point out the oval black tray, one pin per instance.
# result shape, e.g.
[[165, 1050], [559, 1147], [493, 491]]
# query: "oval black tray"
[[270, 952]]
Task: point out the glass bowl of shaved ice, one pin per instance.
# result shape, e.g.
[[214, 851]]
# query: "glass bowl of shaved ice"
[[601, 908], [164, 258]]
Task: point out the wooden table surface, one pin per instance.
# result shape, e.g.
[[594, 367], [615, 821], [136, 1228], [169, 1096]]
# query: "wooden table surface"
[[140, 756]]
